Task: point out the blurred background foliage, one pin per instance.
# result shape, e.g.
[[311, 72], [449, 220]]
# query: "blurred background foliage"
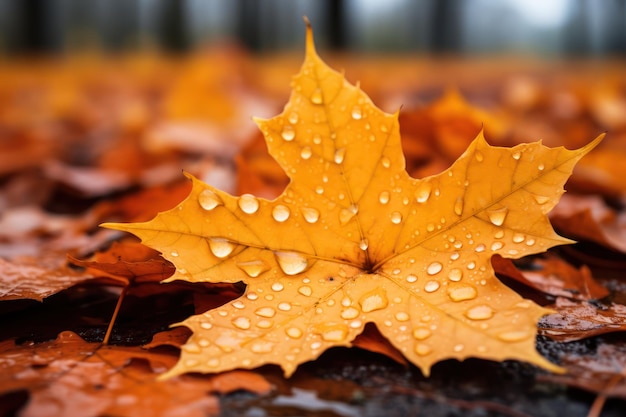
[[461, 27]]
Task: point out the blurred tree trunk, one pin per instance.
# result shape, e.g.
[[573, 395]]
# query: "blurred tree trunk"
[[171, 26], [445, 26]]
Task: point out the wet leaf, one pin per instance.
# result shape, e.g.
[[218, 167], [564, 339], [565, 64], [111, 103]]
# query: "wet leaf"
[[109, 380], [590, 218], [353, 239], [19, 280], [603, 372], [554, 276], [576, 320], [128, 260]]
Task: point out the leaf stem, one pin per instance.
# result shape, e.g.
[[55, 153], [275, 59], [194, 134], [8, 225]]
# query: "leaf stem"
[[118, 306]]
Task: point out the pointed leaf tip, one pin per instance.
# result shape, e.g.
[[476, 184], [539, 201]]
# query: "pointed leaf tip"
[[588, 147], [310, 43]]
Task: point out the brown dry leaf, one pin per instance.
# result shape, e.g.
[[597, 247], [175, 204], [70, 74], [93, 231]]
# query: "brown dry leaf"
[[433, 137], [353, 239], [129, 260], [575, 320], [372, 340], [69, 376], [257, 172], [21, 279], [602, 373], [144, 204], [175, 337], [589, 218], [554, 276]]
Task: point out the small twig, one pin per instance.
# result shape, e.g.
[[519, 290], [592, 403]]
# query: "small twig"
[[118, 306], [598, 403]]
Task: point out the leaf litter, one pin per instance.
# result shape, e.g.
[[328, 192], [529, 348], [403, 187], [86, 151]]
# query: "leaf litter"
[[149, 154]]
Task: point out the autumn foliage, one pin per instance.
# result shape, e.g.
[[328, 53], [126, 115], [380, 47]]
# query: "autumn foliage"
[[342, 225]]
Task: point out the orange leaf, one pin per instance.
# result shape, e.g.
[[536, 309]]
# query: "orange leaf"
[[590, 218], [28, 280], [128, 260], [69, 376], [554, 276], [353, 239], [575, 320]]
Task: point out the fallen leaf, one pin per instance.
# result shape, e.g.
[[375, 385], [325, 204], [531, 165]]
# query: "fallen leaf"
[[175, 337], [128, 260], [603, 372], [69, 376], [589, 218], [434, 136], [554, 276], [353, 239], [372, 340], [31, 281], [576, 320]]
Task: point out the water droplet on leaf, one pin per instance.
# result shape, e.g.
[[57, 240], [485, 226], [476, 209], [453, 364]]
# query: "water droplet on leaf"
[[333, 333], [340, 154], [306, 152], [350, 313], [280, 213], [357, 114], [305, 290], [396, 217], [316, 97], [294, 332], [242, 323], [455, 274], [264, 324], [253, 268], [480, 312], [496, 246], [434, 268], [422, 349], [311, 215], [291, 263], [288, 133], [267, 312], [518, 238], [423, 192], [497, 216], [462, 293], [431, 286], [374, 300], [458, 206], [402, 316], [421, 333], [220, 247], [248, 203], [208, 200]]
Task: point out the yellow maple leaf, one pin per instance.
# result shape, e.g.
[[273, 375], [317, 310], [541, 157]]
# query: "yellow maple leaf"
[[353, 239]]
